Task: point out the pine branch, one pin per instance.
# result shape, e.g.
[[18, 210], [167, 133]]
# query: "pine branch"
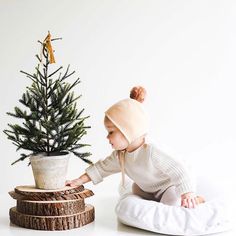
[[83, 156], [66, 75], [56, 39], [55, 71], [29, 75], [22, 158], [39, 59]]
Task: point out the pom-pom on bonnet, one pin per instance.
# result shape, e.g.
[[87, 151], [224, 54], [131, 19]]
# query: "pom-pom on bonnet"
[[128, 115]]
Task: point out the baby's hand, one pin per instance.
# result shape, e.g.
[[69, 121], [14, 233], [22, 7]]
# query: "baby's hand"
[[74, 182], [190, 200]]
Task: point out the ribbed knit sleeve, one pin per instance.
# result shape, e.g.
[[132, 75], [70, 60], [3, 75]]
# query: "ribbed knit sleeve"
[[177, 171], [104, 168]]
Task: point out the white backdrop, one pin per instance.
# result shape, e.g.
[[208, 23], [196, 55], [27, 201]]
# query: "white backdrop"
[[183, 52]]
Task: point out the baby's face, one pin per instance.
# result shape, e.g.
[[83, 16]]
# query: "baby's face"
[[115, 137]]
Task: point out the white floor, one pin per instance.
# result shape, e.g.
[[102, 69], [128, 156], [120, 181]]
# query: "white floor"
[[105, 220]]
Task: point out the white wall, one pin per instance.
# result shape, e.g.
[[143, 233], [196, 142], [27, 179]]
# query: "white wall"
[[183, 52]]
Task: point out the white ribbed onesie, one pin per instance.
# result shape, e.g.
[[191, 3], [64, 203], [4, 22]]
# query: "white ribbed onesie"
[[151, 170]]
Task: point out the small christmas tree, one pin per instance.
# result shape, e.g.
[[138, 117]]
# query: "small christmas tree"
[[51, 123]]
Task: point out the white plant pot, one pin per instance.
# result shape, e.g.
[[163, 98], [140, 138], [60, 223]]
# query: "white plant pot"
[[49, 171]]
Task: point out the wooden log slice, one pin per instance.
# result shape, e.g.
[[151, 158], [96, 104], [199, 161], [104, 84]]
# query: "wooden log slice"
[[30, 190], [50, 208], [52, 222], [35, 197]]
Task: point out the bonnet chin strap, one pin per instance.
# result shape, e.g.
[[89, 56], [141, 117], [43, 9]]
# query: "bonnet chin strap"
[[121, 157]]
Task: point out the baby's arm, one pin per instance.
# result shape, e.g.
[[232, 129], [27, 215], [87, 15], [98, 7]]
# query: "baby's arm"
[[97, 171], [83, 179], [180, 177]]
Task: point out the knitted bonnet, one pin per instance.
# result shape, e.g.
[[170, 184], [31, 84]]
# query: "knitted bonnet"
[[129, 116]]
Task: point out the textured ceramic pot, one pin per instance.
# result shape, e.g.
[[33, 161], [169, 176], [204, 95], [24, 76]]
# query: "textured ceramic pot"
[[50, 171]]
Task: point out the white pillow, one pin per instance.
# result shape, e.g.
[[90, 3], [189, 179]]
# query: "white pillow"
[[207, 218]]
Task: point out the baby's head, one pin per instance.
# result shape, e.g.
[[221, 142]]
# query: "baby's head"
[[126, 121]]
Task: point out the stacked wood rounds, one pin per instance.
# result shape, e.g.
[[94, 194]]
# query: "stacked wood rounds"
[[60, 209]]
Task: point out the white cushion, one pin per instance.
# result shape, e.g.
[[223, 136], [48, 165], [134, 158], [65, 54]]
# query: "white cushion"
[[207, 218]]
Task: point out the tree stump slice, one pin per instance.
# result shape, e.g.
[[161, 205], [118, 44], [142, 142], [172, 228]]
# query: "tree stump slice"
[[50, 208], [52, 222], [31, 190], [49, 196], [59, 209]]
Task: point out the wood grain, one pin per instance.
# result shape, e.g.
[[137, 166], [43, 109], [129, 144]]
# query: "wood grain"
[[51, 197], [50, 208], [52, 222]]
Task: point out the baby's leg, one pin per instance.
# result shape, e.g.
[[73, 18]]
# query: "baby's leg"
[[169, 197], [138, 191]]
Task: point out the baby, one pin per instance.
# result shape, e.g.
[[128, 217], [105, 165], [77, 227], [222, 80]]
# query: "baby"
[[156, 175]]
